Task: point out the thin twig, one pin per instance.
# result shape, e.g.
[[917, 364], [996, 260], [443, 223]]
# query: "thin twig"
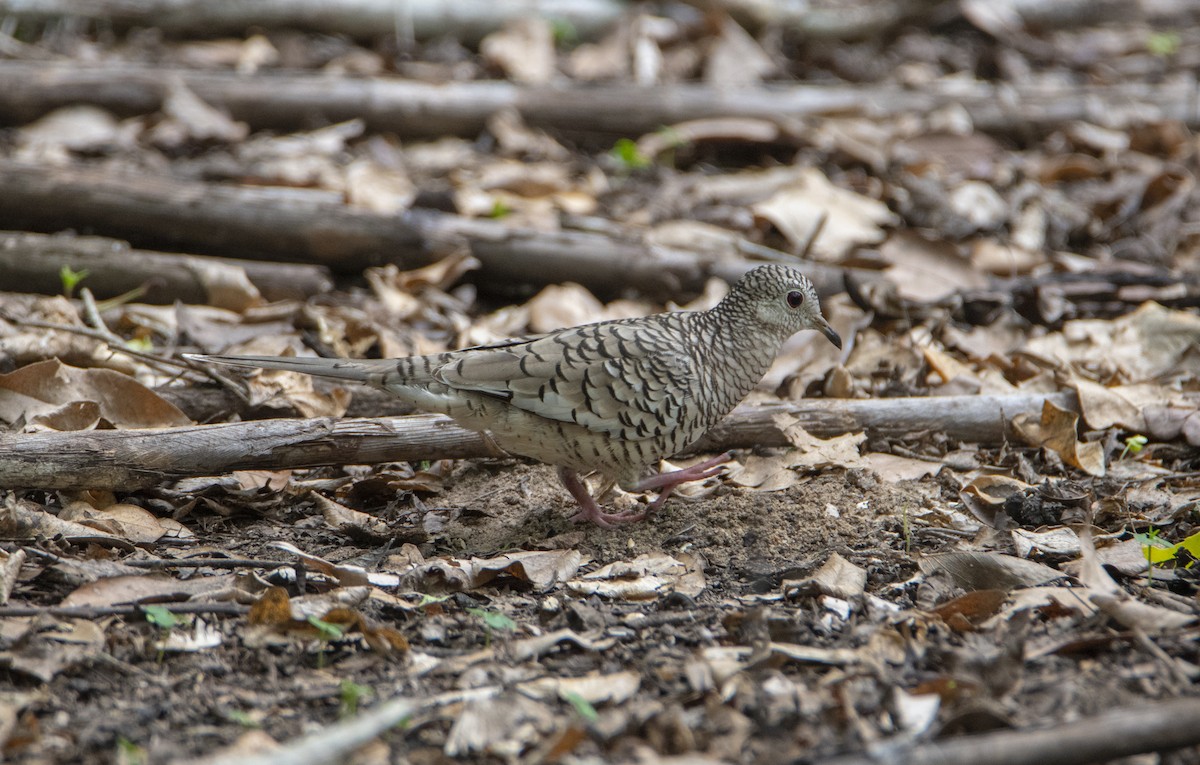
[[95, 612]]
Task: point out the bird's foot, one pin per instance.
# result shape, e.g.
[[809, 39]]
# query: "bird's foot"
[[666, 482], [698, 472], [589, 509], [608, 520]]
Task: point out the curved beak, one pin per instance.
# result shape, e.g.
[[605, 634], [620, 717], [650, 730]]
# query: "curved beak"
[[826, 330]]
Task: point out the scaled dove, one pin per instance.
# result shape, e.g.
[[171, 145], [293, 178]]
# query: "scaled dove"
[[613, 397]]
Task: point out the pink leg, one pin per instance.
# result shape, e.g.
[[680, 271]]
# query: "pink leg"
[[668, 481], [590, 510]]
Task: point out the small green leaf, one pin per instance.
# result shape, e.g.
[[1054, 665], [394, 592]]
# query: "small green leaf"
[[71, 278], [1163, 43], [493, 619], [499, 209], [626, 152], [143, 344], [351, 694], [328, 630], [583, 707], [241, 718], [129, 753], [1156, 549], [565, 33], [160, 616], [1136, 443]]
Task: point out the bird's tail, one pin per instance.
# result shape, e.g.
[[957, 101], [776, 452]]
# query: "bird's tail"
[[370, 371]]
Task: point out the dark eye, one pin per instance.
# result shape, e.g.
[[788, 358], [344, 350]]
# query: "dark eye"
[[795, 299]]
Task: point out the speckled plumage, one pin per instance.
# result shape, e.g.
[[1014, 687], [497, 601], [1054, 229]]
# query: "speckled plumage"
[[613, 397]]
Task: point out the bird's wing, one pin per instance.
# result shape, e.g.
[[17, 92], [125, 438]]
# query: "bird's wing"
[[627, 380]]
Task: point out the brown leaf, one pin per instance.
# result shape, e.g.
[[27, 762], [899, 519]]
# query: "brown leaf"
[[123, 401], [1056, 431]]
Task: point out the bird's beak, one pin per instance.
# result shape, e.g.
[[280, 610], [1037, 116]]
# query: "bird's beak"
[[827, 331]]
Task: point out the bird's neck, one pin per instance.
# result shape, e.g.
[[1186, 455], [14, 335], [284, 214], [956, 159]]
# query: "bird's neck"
[[739, 348]]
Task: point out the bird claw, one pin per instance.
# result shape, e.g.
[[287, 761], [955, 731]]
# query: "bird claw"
[[664, 482], [609, 520]]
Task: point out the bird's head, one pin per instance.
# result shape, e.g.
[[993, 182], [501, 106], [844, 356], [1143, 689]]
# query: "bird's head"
[[780, 299]]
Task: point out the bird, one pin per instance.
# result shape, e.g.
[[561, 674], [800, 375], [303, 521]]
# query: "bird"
[[612, 397]]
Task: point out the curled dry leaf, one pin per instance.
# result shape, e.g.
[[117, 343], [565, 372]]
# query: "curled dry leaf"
[[985, 496], [22, 519], [644, 578], [594, 688], [126, 521], [542, 568], [1056, 430], [1057, 541], [982, 570], [10, 566], [344, 574], [837, 577], [894, 468], [146, 588], [523, 49], [122, 401], [828, 220], [1152, 344], [351, 522]]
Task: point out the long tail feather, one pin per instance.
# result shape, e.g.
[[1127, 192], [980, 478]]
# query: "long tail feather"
[[359, 370]]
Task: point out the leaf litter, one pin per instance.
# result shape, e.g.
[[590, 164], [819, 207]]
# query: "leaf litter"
[[820, 598]]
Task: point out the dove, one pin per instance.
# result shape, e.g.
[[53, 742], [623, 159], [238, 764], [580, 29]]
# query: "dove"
[[613, 397]]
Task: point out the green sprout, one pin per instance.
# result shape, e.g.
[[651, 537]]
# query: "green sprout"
[[351, 694], [326, 632], [1163, 44], [129, 753], [493, 620], [1134, 444], [71, 278], [499, 209], [161, 617], [1156, 550], [626, 152], [565, 33], [241, 718], [582, 706]]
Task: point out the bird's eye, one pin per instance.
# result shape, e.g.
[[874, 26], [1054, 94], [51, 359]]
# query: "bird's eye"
[[795, 299]]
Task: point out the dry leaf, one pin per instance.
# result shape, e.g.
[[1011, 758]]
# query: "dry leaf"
[[1056, 431]]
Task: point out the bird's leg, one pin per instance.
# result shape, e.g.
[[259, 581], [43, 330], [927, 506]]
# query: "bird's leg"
[[668, 481], [589, 508]]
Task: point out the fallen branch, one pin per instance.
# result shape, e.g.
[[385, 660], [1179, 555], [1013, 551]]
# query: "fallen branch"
[[465, 20], [278, 100], [333, 743], [1158, 727], [34, 262], [132, 459], [287, 224]]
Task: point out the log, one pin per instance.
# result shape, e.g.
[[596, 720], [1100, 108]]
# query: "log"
[[124, 460], [1158, 726], [291, 224], [410, 108], [465, 20], [33, 261]]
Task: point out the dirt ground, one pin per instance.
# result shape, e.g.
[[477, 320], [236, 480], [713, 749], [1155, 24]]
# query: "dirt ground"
[[995, 202]]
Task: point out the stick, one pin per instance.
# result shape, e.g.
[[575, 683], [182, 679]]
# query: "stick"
[[1155, 727], [141, 458]]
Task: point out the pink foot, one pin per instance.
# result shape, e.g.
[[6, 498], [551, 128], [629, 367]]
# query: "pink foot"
[[589, 509], [666, 482]]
